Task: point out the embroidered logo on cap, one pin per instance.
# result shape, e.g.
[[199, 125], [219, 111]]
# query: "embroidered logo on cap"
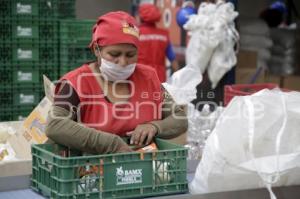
[[130, 29]]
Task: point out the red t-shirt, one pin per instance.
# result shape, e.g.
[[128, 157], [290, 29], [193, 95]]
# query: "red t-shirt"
[[152, 48], [97, 112]]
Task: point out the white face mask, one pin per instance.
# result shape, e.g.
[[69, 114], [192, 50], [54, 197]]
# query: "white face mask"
[[114, 72]]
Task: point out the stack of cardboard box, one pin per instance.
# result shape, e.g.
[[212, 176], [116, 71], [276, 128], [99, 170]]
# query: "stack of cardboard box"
[[247, 72]]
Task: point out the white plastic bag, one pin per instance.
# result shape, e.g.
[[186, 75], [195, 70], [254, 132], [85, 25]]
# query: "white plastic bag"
[[254, 144], [5, 132], [182, 84], [212, 41], [223, 59], [198, 54], [200, 47]]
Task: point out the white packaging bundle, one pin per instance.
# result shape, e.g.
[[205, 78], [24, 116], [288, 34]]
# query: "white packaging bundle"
[[6, 153], [5, 132], [222, 61], [212, 41], [182, 84], [255, 144], [213, 37], [200, 47]]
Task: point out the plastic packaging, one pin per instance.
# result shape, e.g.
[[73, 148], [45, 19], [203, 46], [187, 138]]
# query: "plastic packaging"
[[182, 84], [7, 153], [5, 132], [211, 30], [200, 126], [255, 144]]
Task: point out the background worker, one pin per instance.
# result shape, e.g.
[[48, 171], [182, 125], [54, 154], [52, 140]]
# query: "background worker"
[[155, 44]]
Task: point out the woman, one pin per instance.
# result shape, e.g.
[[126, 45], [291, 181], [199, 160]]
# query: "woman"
[[98, 102]]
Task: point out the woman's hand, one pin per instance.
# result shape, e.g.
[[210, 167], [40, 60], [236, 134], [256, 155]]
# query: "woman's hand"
[[122, 147], [141, 133]]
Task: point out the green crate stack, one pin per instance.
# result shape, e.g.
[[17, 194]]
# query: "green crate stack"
[[75, 37], [61, 173], [43, 9], [29, 48]]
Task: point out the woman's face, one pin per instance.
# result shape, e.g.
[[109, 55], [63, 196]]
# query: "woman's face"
[[121, 54]]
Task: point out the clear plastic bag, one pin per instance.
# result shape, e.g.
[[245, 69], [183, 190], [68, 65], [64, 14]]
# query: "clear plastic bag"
[[200, 125]]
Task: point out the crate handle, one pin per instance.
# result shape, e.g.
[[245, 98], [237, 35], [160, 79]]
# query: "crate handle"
[[142, 156]]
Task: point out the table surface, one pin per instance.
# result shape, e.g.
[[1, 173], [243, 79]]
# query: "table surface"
[[291, 192]]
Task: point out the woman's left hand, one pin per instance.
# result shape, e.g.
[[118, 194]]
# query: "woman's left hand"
[[141, 133]]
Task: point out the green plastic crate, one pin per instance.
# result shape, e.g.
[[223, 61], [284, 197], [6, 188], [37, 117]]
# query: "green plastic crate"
[[19, 96], [28, 53], [21, 113], [75, 31], [74, 53], [28, 29], [26, 97], [65, 70], [127, 175], [27, 75], [25, 8], [22, 76], [37, 8], [25, 52], [15, 114]]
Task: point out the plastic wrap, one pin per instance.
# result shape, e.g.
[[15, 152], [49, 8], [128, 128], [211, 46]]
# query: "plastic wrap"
[[182, 84], [210, 30], [201, 124], [7, 153], [5, 132]]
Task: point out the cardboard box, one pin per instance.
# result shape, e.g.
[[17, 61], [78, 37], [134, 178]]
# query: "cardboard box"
[[291, 82], [33, 129], [248, 75], [246, 71], [276, 79], [247, 59]]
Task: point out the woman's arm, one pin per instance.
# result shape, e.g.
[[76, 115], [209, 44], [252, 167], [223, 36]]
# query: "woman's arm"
[[63, 128], [174, 121]]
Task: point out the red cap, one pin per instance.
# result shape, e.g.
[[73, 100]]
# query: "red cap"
[[115, 28], [149, 13]]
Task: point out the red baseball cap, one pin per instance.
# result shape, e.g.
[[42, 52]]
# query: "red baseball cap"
[[115, 28], [149, 13]]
